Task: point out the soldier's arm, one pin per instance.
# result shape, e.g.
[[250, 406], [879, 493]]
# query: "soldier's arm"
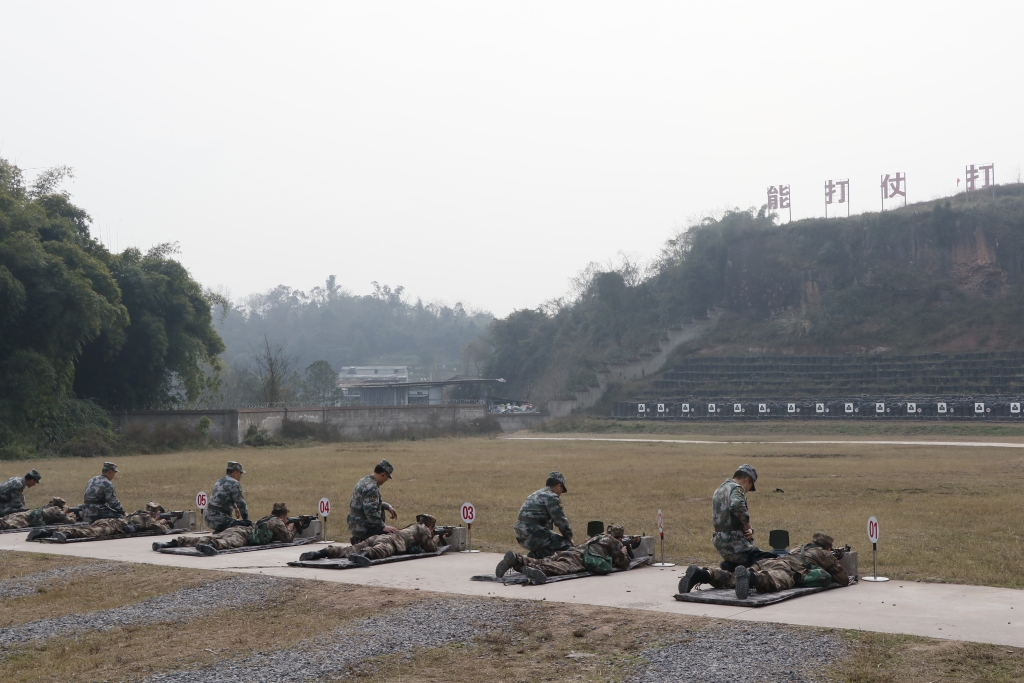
[[239, 500], [280, 530], [620, 556], [738, 506], [111, 499], [428, 541], [374, 522], [829, 563], [558, 517]]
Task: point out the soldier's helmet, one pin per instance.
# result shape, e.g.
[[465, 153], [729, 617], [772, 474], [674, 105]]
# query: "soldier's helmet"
[[110, 467], [823, 540], [558, 478], [154, 507], [385, 467], [426, 519], [615, 531], [32, 474], [57, 502], [235, 467], [279, 509], [750, 472]]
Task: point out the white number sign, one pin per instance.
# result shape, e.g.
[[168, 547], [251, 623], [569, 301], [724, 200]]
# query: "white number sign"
[[872, 529], [324, 506], [468, 513], [201, 500]]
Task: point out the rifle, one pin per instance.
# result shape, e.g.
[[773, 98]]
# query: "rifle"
[[172, 516], [443, 532], [77, 510], [839, 552], [301, 522]]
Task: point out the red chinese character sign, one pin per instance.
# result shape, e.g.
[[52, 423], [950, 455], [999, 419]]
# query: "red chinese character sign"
[[971, 175], [842, 187], [778, 198], [894, 186]]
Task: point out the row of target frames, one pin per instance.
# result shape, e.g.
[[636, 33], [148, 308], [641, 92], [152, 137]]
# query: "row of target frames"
[[870, 409]]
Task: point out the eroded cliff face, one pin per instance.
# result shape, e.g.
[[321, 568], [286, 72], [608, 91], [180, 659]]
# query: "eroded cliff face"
[[914, 254]]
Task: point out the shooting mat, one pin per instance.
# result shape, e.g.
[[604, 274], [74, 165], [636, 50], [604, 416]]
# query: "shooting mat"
[[192, 552], [138, 534], [727, 596], [344, 563], [27, 529], [514, 577]]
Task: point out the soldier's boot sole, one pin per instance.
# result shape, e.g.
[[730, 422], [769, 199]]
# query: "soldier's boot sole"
[[312, 555], [536, 576], [505, 564], [742, 583], [59, 537], [206, 549], [689, 580], [158, 546], [359, 560], [37, 533]]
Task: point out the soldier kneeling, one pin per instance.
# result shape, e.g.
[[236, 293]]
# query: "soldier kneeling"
[[413, 539], [274, 528], [140, 520], [776, 574], [599, 554]]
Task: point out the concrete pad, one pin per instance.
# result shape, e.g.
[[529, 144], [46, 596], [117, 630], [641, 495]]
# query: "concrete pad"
[[953, 612]]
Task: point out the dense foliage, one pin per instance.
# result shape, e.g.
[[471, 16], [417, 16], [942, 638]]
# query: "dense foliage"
[[76, 320]]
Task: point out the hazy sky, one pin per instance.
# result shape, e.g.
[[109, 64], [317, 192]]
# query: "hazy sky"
[[485, 152]]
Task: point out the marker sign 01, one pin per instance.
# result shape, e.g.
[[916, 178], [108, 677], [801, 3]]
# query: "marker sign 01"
[[872, 529], [201, 500], [324, 507], [468, 513]]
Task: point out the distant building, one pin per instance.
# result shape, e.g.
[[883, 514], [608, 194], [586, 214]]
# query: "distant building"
[[372, 374], [410, 393]]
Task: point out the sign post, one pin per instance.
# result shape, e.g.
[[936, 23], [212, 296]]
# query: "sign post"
[[468, 515], [873, 537], [324, 508], [661, 532], [201, 502]]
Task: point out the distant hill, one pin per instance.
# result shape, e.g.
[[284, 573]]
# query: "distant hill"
[[940, 276]]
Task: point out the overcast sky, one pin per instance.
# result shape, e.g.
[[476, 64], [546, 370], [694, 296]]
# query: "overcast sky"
[[485, 152]]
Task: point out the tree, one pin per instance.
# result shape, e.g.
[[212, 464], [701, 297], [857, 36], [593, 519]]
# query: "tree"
[[320, 386], [271, 372]]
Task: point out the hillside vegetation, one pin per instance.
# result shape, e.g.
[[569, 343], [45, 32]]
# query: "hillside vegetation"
[[936, 276]]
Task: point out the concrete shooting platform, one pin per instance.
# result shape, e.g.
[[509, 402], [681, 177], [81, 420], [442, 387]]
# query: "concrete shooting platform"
[[953, 612]]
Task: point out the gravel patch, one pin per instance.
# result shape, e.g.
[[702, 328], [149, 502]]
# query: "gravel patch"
[[188, 603], [431, 623], [742, 653], [20, 586]]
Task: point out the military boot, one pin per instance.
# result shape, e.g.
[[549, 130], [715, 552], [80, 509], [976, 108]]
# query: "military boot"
[[157, 545], [38, 533], [313, 555], [359, 560], [742, 583], [536, 576], [506, 563], [131, 529], [693, 577], [206, 549], [58, 537]]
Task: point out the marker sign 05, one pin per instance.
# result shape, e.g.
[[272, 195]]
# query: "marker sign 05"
[[201, 500]]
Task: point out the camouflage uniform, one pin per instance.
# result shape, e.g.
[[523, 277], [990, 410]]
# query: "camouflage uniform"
[[571, 561], [780, 573], [12, 496], [366, 510], [142, 520], [385, 545], [55, 512], [729, 510], [541, 511], [100, 500], [226, 496], [241, 536]]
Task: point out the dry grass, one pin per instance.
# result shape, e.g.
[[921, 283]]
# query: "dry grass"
[[949, 514]]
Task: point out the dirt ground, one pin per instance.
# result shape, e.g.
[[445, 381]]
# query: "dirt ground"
[[545, 641], [946, 513]]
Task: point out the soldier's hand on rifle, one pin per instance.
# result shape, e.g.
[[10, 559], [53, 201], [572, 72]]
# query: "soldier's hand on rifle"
[[393, 512], [390, 529]]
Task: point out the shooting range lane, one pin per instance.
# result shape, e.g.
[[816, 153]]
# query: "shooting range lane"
[[810, 442], [954, 612]]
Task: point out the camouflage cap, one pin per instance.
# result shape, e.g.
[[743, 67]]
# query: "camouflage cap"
[[750, 472], [32, 474], [559, 478], [110, 467], [387, 467], [424, 518], [57, 501], [823, 540], [615, 530], [154, 507], [235, 467], [279, 509]]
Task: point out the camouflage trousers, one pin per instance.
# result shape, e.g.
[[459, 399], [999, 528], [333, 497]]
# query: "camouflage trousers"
[[17, 520], [767, 576], [234, 537], [543, 543], [375, 547], [217, 521], [103, 527], [561, 563], [732, 546]]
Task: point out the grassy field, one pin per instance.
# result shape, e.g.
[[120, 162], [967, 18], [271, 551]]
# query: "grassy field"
[[946, 513], [605, 644]]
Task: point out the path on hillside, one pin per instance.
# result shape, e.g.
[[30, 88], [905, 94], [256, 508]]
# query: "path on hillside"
[[954, 612], [833, 442]]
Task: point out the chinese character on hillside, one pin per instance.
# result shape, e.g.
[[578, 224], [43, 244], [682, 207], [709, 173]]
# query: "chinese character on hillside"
[[830, 190], [972, 174], [778, 197], [894, 187]]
